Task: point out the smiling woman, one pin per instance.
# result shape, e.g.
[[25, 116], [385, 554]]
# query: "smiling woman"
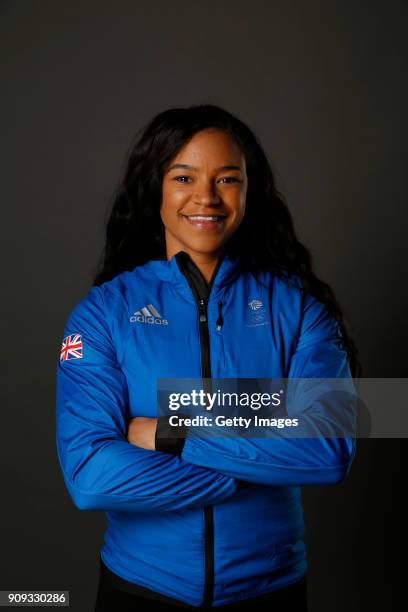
[[203, 207], [202, 277]]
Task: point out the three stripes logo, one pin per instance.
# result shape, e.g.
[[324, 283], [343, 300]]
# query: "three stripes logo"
[[148, 314]]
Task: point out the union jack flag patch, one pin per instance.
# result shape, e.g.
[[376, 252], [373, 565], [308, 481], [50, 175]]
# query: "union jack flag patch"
[[71, 347]]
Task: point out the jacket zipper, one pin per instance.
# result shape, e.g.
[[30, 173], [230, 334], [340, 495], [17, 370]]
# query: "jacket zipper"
[[208, 509], [194, 281], [220, 320]]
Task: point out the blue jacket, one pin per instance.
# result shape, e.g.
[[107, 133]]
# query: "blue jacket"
[[203, 521]]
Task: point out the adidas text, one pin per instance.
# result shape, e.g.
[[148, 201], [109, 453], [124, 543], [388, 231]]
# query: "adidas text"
[[152, 320]]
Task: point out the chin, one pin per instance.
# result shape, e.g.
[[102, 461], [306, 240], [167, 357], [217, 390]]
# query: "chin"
[[207, 247]]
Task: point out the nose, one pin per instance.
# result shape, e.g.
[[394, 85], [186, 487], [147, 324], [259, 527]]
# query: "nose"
[[206, 193]]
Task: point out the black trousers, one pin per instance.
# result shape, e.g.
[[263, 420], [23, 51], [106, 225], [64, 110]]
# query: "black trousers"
[[112, 599]]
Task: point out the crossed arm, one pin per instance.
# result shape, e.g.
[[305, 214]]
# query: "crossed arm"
[[107, 461]]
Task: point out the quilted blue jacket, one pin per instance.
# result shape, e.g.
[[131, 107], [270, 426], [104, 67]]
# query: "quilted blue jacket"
[[202, 521]]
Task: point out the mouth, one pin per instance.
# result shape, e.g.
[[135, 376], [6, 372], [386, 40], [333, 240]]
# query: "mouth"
[[205, 221]]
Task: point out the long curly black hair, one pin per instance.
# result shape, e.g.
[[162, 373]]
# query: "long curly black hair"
[[265, 238]]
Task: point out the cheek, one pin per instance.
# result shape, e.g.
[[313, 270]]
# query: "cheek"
[[172, 199], [168, 209], [242, 209], [239, 212]]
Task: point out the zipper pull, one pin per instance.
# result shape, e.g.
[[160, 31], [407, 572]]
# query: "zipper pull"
[[203, 315], [220, 320]]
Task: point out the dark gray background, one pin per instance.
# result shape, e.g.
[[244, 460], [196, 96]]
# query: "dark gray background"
[[324, 86]]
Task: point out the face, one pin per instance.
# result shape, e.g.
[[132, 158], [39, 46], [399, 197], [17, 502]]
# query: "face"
[[204, 193]]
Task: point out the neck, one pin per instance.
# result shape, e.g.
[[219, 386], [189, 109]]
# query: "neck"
[[206, 267], [205, 262]]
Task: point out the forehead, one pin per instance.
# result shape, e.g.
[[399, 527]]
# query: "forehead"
[[210, 147]]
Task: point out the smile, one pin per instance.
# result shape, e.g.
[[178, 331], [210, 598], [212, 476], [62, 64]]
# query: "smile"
[[205, 221]]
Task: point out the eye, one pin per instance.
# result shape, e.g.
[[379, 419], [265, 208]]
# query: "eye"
[[226, 178], [231, 178]]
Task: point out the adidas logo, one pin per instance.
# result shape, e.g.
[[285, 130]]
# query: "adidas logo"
[[148, 314]]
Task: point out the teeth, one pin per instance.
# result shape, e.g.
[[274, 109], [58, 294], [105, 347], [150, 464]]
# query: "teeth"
[[204, 218]]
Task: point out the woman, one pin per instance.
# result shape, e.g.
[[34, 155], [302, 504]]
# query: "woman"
[[202, 276]]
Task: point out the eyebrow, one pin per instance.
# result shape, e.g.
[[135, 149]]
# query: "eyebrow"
[[188, 167]]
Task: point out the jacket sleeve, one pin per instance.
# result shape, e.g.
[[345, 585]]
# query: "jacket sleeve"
[[101, 469], [308, 459]]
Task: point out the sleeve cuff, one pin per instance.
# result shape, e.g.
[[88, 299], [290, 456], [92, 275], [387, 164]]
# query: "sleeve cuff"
[[165, 441]]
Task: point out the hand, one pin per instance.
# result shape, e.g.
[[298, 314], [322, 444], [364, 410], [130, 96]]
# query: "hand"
[[141, 432]]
